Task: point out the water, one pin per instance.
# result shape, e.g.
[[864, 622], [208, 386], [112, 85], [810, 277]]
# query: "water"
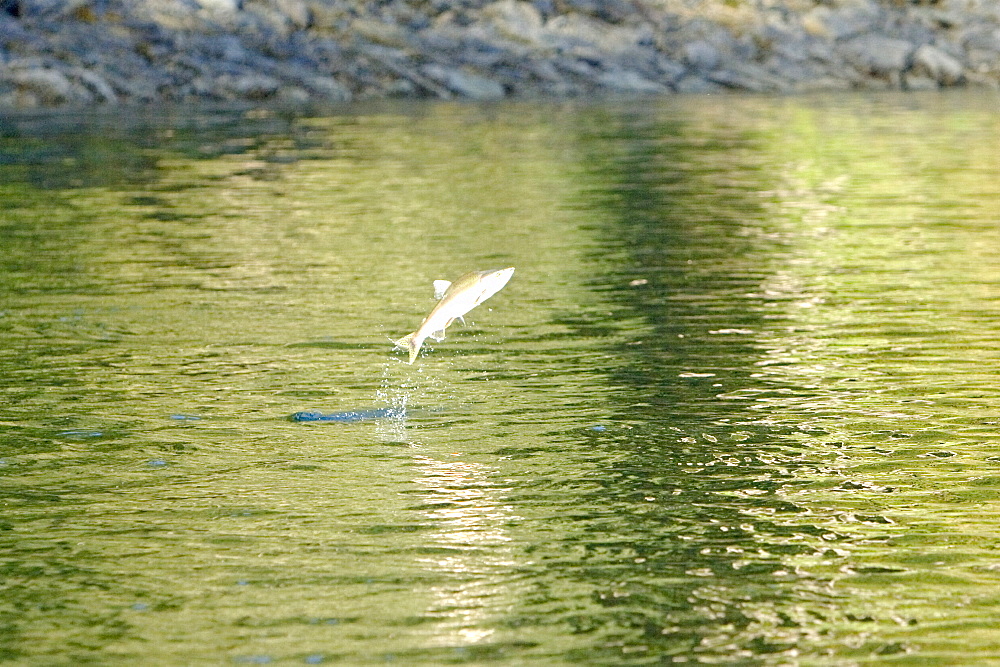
[[738, 404]]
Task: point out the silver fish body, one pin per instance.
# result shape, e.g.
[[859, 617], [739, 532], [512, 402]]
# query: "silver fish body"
[[456, 299]]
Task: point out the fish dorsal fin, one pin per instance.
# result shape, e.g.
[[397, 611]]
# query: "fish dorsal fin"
[[440, 287]]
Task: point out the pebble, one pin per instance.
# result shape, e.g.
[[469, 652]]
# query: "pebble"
[[110, 52]]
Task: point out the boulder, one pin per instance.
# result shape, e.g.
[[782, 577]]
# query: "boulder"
[[844, 22], [220, 5], [748, 76], [515, 20], [913, 81], [49, 86], [629, 81], [297, 12], [583, 35], [464, 83], [701, 55], [248, 86], [94, 83], [879, 55], [937, 65], [696, 85]]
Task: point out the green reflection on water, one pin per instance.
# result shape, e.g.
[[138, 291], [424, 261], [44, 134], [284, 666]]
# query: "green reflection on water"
[[736, 405]]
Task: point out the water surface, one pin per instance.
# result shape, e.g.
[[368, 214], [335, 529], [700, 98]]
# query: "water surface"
[[738, 404]]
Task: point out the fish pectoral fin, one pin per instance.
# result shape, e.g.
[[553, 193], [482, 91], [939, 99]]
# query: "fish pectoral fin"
[[460, 319], [440, 287], [439, 334]]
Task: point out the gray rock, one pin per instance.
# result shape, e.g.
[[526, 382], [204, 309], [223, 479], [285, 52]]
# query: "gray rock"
[[987, 80], [913, 31], [823, 83], [913, 81], [728, 46], [249, 86], [220, 5], [329, 15], [50, 8], [298, 12], [584, 36], [550, 80], [11, 30], [484, 56], [670, 70], [696, 84], [580, 68], [822, 50], [937, 65], [8, 95], [401, 88], [321, 85], [983, 61], [264, 22], [143, 89], [544, 70], [981, 36], [293, 95], [465, 83], [629, 81], [748, 76], [879, 55], [381, 32], [439, 38], [794, 73], [104, 51], [516, 20], [96, 84], [179, 16], [613, 11], [410, 80], [49, 86], [701, 55], [843, 22], [783, 40]]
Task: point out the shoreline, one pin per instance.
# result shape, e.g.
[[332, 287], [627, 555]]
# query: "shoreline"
[[106, 53]]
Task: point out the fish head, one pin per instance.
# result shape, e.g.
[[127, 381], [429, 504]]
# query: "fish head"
[[490, 282]]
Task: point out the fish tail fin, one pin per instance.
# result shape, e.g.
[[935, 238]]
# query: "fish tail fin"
[[409, 342]]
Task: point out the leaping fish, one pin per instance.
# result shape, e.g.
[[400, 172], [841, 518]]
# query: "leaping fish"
[[455, 300]]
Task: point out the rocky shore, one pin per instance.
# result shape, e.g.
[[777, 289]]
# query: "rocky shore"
[[108, 52]]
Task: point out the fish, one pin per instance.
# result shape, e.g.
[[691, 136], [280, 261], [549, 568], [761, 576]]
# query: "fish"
[[454, 301], [349, 416], [398, 413]]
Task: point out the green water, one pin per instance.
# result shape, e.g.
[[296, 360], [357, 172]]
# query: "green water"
[[738, 405]]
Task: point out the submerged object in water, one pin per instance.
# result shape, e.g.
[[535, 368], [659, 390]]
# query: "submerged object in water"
[[349, 416], [456, 299]]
